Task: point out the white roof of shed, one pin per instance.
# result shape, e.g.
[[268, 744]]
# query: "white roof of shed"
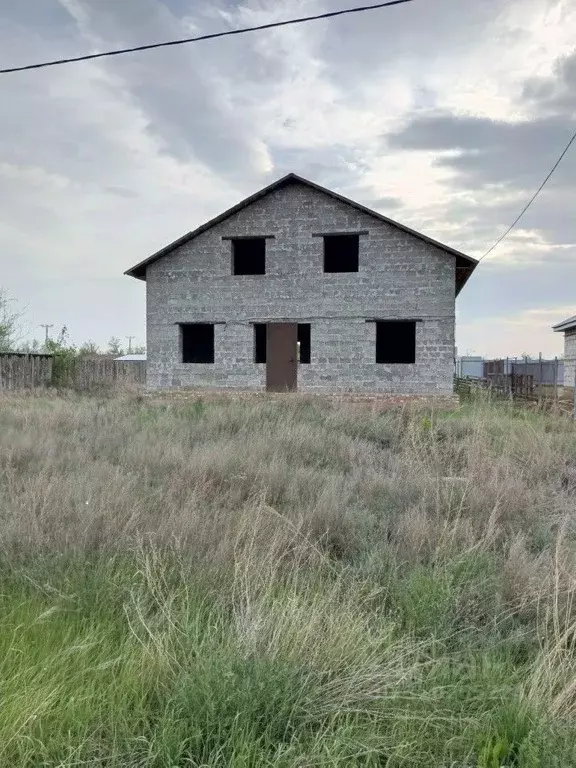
[[131, 358]]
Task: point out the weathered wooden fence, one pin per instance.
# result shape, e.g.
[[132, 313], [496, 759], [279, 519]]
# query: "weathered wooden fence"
[[519, 388], [512, 384], [25, 371], [89, 374], [34, 371]]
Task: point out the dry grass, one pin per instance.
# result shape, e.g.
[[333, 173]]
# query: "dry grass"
[[285, 584]]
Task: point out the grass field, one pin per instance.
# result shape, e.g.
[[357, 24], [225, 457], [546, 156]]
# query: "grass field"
[[258, 584]]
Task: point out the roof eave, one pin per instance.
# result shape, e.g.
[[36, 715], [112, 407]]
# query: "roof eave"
[[566, 325], [463, 273]]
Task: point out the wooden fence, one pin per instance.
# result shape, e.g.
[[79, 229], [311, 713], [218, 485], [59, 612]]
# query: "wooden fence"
[[24, 371], [520, 388], [34, 371], [512, 384], [89, 374]]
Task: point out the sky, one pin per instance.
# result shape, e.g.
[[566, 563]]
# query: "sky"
[[442, 114]]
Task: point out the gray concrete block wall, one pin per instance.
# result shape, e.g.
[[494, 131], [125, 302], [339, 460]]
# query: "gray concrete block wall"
[[569, 358], [400, 277]]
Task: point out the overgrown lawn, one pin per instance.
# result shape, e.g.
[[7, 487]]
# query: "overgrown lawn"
[[285, 584]]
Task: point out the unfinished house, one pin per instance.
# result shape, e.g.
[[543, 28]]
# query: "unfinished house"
[[297, 288], [568, 328]]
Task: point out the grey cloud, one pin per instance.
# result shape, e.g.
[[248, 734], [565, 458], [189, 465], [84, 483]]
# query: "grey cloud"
[[511, 156], [378, 41], [178, 89], [328, 166], [481, 221], [49, 19], [497, 290], [479, 139], [515, 155], [503, 158], [128, 194], [555, 94], [383, 204], [44, 122]]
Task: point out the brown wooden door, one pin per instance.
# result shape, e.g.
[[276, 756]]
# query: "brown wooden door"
[[281, 357]]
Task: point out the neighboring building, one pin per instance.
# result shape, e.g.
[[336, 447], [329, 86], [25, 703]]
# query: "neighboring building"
[[568, 328], [297, 287], [470, 367]]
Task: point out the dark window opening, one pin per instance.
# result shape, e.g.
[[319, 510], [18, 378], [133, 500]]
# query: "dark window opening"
[[396, 341], [341, 253], [259, 342], [249, 256], [197, 343], [304, 342]]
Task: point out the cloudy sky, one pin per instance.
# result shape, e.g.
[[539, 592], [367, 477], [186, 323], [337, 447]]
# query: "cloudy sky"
[[443, 114]]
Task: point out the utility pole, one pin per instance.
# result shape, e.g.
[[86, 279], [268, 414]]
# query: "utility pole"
[[46, 327], [130, 343]]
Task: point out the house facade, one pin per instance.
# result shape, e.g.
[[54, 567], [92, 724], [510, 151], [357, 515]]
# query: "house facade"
[[298, 288], [568, 328]]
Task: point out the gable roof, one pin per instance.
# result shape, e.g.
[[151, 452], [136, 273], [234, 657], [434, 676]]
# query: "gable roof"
[[465, 265], [565, 325]]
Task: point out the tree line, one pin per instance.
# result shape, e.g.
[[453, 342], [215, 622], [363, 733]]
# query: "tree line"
[[60, 344]]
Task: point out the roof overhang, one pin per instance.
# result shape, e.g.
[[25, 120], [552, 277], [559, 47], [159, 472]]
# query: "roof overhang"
[[565, 325], [465, 265]]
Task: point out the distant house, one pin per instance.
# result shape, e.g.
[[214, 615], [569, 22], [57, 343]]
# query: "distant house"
[[568, 328], [299, 288]]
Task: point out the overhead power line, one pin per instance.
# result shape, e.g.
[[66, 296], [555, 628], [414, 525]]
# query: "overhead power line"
[[534, 196], [213, 36]]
